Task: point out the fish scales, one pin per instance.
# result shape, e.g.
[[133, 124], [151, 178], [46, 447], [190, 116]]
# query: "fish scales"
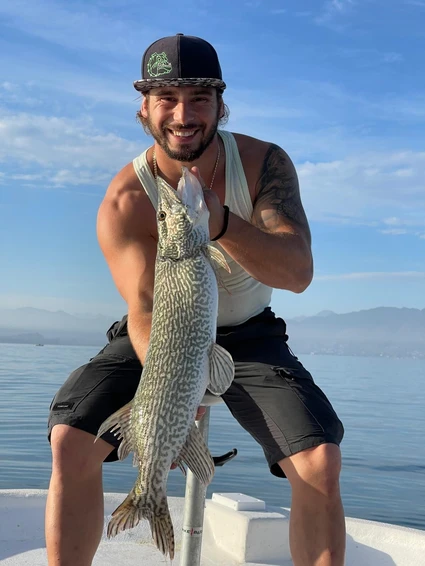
[[181, 361], [181, 337]]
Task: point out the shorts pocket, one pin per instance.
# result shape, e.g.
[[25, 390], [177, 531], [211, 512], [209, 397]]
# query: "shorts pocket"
[[313, 399], [83, 381]]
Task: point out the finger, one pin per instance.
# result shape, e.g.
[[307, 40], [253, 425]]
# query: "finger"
[[201, 412], [197, 174]]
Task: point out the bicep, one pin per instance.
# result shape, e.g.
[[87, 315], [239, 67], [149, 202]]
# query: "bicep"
[[130, 253], [277, 207]]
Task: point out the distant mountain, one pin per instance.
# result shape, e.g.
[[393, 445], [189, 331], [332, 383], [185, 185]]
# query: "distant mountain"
[[383, 331], [29, 325], [40, 319]]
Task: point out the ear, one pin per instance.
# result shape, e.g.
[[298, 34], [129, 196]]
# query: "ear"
[[221, 114], [144, 108]]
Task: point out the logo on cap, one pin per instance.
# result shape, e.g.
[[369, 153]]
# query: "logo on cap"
[[159, 64]]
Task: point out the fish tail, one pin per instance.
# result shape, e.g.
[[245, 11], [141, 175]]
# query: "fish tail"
[[162, 531], [126, 516], [133, 508]]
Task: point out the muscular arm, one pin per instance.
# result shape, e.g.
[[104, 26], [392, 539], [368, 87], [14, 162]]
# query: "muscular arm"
[[130, 253], [276, 248]]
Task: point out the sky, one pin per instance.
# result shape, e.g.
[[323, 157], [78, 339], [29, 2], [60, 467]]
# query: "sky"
[[338, 84]]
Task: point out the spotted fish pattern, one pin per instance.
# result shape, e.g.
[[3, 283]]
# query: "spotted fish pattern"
[[182, 361]]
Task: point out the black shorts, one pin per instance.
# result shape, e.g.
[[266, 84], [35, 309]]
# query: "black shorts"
[[272, 396]]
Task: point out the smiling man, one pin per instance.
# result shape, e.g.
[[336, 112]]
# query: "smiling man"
[[257, 220]]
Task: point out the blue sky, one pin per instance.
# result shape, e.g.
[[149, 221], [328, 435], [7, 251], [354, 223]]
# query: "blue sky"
[[340, 85]]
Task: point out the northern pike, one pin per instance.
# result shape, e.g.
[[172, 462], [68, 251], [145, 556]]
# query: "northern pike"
[[182, 361]]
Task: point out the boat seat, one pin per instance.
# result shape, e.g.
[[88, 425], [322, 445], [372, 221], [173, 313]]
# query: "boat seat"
[[209, 400]]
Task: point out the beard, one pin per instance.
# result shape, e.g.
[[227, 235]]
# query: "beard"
[[183, 154]]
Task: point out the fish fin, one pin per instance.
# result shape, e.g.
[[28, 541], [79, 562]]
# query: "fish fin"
[[133, 508], [162, 531], [222, 370], [197, 457], [182, 468], [217, 258], [126, 516], [179, 464], [119, 423]]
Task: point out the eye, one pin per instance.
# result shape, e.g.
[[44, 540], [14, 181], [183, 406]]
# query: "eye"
[[162, 215]]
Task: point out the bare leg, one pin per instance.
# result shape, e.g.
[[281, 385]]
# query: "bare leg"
[[317, 524], [74, 510]]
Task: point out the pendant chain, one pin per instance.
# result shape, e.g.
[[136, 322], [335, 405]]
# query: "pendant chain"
[[155, 166]]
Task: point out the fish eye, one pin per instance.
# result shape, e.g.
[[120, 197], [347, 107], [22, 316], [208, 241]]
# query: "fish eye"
[[162, 215]]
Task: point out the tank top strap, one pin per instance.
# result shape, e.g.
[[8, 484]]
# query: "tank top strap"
[[144, 173], [237, 198]]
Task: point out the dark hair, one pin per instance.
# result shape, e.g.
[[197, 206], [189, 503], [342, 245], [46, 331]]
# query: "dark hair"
[[222, 121]]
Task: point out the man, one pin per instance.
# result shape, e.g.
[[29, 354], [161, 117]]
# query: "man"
[[266, 239]]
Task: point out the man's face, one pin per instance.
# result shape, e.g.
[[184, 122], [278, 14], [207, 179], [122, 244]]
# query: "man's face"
[[182, 120]]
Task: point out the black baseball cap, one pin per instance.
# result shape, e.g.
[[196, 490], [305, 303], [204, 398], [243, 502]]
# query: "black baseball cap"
[[180, 60]]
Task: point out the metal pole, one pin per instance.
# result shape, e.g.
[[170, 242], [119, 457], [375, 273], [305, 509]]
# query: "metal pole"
[[193, 515]]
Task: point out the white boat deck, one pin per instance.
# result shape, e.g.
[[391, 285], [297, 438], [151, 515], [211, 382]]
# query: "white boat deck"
[[22, 538]]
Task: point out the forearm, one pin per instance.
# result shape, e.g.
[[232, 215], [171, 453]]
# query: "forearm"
[[280, 260]]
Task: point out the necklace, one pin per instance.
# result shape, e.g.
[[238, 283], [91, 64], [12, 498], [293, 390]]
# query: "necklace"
[[155, 166]]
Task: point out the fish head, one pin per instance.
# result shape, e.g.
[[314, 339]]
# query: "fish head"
[[182, 218]]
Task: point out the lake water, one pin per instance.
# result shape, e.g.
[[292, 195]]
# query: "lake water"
[[380, 401]]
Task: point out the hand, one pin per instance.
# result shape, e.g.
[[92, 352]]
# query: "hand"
[[201, 412], [212, 201]]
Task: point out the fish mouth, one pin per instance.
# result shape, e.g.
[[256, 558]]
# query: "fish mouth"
[[167, 195]]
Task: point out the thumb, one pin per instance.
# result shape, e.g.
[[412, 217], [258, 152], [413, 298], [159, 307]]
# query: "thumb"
[[195, 171]]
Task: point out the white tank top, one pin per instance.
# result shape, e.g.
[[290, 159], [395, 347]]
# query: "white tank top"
[[243, 296]]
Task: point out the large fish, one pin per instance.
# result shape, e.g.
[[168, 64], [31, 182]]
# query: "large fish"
[[182, 361]]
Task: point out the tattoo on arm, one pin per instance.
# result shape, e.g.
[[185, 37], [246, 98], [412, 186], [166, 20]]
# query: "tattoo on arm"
[[278, 196]]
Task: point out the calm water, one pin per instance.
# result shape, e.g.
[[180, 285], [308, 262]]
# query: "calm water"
[[381, 402]]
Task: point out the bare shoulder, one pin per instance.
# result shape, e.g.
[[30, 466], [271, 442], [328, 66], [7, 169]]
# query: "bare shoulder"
[[126, 231], [126, 211], [274, 187], [257, 156], [252, 152]]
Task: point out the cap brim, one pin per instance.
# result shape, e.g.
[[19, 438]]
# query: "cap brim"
[[144, 85]]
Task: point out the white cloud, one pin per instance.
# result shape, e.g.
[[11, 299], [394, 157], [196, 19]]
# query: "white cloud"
[[366, 188], [331, 10], [95, 27], [393, 221], [7, 86], [68, 151], [370, 57], [339, 5], [393, 57], [394, 231], [372, 275]]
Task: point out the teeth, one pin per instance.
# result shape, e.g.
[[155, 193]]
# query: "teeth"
[[183, 134]]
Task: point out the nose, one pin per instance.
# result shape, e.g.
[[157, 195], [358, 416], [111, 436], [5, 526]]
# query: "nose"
[[183, 113]]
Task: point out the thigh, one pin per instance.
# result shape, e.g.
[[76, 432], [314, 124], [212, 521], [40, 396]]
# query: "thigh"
[[282, 408], [93, 392]]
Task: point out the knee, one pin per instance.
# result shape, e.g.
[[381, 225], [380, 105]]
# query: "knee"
[[75, 454], [318, 468]]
